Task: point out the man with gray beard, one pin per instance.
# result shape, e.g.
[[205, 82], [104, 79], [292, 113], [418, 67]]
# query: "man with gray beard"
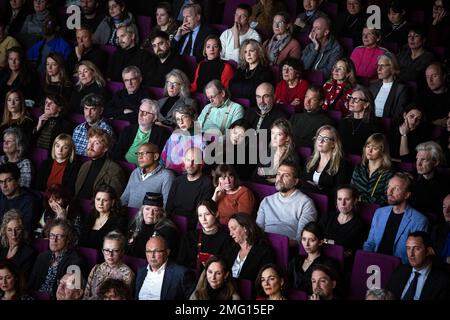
[[289, 210]]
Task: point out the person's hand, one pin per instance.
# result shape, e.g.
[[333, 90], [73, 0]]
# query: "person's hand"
[[127, 110], [218, 192], [79, 50], [236, 29], [300, 23], [295, 102], [313, 38], [42, 120], [404, 128], [314, 296], [183, 29], [59, 210], [439, 16], [260, 171]]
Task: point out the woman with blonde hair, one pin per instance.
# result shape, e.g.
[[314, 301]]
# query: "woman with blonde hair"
[[61, 168], [215, 282], [15, 114], [326, 169], [14, 242], [253, 70], [90, 80], [281, 148]]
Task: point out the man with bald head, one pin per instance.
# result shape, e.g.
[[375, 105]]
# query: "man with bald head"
[[266, 112], [162, 279], [324, 50], [190, 188]]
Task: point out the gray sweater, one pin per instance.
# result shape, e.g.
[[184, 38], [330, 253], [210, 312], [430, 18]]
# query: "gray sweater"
[[286, 216], [160, 180]]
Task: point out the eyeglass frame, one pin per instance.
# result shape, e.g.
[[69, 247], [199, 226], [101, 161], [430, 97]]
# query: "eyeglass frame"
[[350, 98], [111, 251], [320, 138], [143, 153], [56, 237]]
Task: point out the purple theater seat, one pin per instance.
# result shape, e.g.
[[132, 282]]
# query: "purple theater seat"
[[245, 289], [330, 8], [76, 118], [132, 213], [134, 263], [366, 211], [90, 256], [242, 101], [291, 6], [297, 295], [314, 77], [43, 296], [386, 124], [347, 45], [276, 73], [260, 190], [109, 49], [35, 112], [144, 24], [181, 222], [304, 152], [118, 125], [370, 264], [335, 115], [406, 166], [288, 108], [219, 27], [38, 155], [40, 245], [156, 92], [191, 64], [85, 205], [127, 167], [201, 99], [354, 159], [320, 201], [280, 245], [114, 86]]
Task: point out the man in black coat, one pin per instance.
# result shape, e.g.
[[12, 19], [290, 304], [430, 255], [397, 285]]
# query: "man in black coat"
[[422, 279]]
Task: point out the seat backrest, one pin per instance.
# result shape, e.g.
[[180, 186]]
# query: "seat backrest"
[[242, 101], [76, 118], [144, 24], [38, 155], [85, 205], [131, 213], [280, 245], [330, 8], [386, 124], [114, 86], [201, 99], [90, 255], [41, 295], [335, 115], [297, 295], [260, 190], [320, 201], [156, 92], [347, 45], [127, 167], [406, 166], [314, 77], [35, 112], [370, 270], [109, 49], [40, 245], [119, 125], [191, 64], [366, 211], [220, 28], [230, 8], [134, 263], [245, 289], [181, 222], [304, 152], [354, 159]]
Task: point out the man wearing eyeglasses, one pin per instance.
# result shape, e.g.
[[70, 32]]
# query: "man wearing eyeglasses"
[[150, 176], [162, 279], [132, 137], [305, 125], [124, 104], [13, 196], [128, 54]]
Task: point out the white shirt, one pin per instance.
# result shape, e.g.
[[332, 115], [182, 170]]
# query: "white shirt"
[[151, 287], [316, 177], [381, 98], [237, 266], [227, 41]]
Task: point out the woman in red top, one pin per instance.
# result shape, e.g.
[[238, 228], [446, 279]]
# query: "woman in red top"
[[292, 89], [339, 86], [212, 67]]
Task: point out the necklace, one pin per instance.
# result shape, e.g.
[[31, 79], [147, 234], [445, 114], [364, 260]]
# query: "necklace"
[[354, 130]]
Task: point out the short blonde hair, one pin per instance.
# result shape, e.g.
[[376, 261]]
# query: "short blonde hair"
[[66, 138]]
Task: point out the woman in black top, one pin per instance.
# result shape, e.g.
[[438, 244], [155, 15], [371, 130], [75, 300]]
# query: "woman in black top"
[[344, 227], [351, 23], [360, 123], [212, 67], [151, 219], [11, 282], [56, 79], [106, 216], [300, 268], [252, 71], [14, 242], [210, 239]]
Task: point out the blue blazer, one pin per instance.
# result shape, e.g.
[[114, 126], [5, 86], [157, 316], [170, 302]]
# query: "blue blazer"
[[412, 221], [178, 282]]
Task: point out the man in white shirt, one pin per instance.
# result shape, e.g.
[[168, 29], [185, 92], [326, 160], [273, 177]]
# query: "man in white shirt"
[[232, 38], [162, 279], [287, 211]]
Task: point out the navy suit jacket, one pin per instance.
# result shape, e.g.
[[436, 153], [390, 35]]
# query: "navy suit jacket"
[[197, 50], [178, 282]]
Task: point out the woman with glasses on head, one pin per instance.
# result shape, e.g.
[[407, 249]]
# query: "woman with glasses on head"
[[176, 93], [360, 122], [15, 147], [58, 204], [113, 267], [185, 137], [252, 70], [90, 80], [282, 45], [215, 282], [107, 216], [12, 282], [230, 196], [15, 114], [271, 283], [365, 57], [336, 89], [211, 239], [371, 177], [390, 95], [213, 67], [292, 88], [52, 265], [57, 80], [14, 242], [61, 168], [326, 168], [151, 219]]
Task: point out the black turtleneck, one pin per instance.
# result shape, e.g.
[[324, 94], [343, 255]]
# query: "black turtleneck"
[[86, 191]]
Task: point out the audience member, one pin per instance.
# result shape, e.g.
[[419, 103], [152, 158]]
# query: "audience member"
[[340, 85], [291, 90], [271, 283]]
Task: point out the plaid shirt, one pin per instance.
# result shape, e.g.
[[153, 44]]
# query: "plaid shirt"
[[80, 135]]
